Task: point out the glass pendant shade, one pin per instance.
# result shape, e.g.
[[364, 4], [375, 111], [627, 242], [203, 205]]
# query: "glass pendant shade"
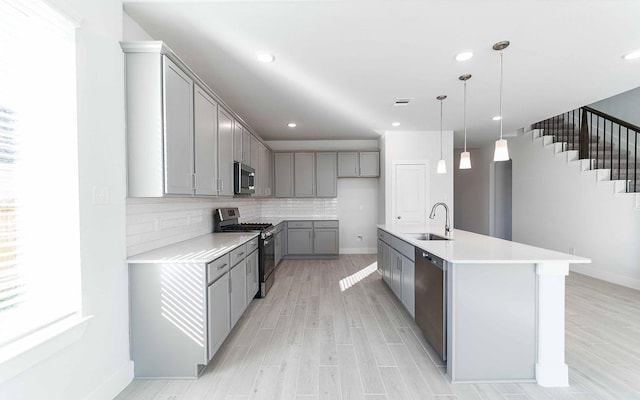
[[465, 160], [442, 167], [502, 152]]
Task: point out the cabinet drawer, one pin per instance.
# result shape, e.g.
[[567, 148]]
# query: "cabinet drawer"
[[406, 249], [217, 267], [384, 236], [300, 224], [325, 224], [252, 245], [238, 254]]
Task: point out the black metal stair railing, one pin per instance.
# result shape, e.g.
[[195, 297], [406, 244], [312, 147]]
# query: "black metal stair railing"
[[607, 141]]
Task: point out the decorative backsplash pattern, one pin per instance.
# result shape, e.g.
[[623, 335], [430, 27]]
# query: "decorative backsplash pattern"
[[154, 223]]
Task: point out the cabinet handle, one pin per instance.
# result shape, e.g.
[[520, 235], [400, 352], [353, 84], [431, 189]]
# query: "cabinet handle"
[[240, 254], [222, 266]]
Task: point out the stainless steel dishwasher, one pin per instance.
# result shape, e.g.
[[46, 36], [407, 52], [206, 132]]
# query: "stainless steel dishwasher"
[[431, 304]]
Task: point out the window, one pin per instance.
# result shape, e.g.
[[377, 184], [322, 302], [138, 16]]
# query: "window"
[[39, 224]]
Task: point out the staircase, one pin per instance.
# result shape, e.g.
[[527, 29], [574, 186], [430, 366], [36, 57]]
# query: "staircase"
[[606, 143]]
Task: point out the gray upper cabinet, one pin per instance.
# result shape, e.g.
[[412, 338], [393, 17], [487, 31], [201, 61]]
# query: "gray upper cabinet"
[[241, 144], [225, 153], [365, 164], [326, 175], [254, 152], [347, 164], [205, 127], [369, 164], [283, 167], [178, 144], [264, 170], [237, 142], [180, 139], [304, 175]]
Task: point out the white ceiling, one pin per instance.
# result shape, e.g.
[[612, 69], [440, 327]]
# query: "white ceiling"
[[341, 64]]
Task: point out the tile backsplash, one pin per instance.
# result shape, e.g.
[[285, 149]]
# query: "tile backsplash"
[[154, 223]]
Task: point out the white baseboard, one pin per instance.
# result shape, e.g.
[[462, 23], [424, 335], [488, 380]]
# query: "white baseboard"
[[598, 273], [358, 250], [114, 384]]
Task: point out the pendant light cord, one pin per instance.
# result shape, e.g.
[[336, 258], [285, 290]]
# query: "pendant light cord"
[[465, 116], [441, 129], [501, 95]]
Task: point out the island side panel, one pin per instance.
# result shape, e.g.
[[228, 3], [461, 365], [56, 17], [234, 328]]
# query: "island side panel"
[[551, 370], [491, 322], [167, 319]]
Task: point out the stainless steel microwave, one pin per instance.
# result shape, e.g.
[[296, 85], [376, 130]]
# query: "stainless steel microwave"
[[243, 178]]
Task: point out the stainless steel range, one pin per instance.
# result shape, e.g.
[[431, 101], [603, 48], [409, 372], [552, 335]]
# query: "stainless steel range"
[[226, 220]]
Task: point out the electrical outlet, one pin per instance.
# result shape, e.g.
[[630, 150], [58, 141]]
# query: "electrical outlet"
[[101, 195]]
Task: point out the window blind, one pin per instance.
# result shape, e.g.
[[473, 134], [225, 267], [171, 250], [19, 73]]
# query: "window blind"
[[39, 225]]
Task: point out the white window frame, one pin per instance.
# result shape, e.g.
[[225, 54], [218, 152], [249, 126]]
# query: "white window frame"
[[29, 348]]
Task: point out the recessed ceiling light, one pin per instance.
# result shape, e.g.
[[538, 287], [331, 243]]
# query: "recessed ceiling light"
[[292, 125], [497, 118], [395, 124], [632, 56], [464, 56], [265, 57]]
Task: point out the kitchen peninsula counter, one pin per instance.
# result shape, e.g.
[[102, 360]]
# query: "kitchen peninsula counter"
[[503, 304]]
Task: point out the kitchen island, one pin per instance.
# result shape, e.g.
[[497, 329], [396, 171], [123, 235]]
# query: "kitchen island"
[[503, 304]]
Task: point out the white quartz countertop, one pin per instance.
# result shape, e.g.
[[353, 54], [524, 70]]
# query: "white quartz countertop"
[[472, 248], [201, 249]]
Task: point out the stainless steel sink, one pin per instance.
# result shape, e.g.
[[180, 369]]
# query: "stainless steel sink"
[[425, 236]]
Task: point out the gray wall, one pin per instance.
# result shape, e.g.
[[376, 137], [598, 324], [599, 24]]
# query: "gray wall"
[[472, 191], [625, 106]]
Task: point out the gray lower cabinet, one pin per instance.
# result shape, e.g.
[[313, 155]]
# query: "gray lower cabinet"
[[283, 174], [313, 238], [252, 275], [238, 290], [396, 263], [408, 284], [219, 320], [396, 273], [278, 246], [181, 313], [300, 241]]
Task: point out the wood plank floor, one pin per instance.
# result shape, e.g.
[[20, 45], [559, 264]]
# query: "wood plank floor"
[[333, 330]]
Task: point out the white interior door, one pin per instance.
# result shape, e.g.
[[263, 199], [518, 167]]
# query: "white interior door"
[[409, 186]]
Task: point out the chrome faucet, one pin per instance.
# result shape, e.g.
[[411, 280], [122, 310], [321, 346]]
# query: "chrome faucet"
[[447, 228]]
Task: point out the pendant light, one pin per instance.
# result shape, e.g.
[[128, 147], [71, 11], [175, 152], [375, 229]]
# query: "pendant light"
[[465, 157], [502, 152], [442, 165]]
